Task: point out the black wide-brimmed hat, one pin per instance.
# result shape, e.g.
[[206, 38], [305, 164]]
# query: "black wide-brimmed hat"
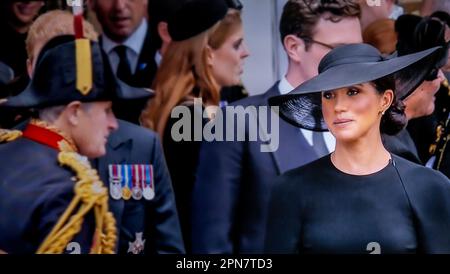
[[346, 66], [55, 77], [417, 33], [6, 74], [195, 17]]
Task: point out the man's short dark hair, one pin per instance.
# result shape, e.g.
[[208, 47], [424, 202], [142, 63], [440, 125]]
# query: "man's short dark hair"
[[301, 16]]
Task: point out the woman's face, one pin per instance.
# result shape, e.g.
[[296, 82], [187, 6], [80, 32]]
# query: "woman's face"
[[421, 102], [228, 60], [25, 12], [354, 112]]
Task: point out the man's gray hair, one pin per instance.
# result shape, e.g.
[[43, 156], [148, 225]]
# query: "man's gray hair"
[[51, 114]]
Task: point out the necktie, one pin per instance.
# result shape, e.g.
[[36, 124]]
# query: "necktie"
[[319, 144], [124, 68]]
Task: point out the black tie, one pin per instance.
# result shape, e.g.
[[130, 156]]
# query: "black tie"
[[124, 68]]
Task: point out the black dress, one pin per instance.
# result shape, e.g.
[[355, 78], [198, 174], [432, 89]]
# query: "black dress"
[[403, 208]]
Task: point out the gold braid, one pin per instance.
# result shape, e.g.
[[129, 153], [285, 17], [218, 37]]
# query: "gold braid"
[[446, 85], [7, 135], [90, 193], [440, 129]]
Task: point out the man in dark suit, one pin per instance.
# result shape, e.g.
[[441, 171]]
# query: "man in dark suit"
[[234, 179], [146, 225], [127, 40]]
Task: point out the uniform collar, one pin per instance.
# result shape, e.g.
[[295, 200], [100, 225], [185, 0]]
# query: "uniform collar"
[[46, 134]]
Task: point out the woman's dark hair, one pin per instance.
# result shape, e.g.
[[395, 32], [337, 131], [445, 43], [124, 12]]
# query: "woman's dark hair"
[[394, 119]]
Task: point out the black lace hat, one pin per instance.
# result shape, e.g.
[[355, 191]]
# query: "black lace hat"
[[346, 66]]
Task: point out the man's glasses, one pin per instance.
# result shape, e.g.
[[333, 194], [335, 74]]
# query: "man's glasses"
[[312, 41]]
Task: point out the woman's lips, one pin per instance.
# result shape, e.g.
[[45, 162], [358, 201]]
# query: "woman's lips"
[[26, 9], [342, 121]]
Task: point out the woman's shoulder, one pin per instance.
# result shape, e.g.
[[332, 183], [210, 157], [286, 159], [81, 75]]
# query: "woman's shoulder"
[[420, 177], [310, 172]]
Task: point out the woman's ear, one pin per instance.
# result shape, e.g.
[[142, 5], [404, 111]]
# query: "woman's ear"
[[294, 47], [163, 32], [387, 100], [209, 55], [29, 67]]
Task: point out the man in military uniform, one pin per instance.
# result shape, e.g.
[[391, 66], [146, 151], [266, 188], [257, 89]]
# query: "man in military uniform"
[[74, 117], [441, 148], [150, 224], [429, 128]]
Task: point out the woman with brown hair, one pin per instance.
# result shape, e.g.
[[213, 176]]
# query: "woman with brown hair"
[[205, 55]]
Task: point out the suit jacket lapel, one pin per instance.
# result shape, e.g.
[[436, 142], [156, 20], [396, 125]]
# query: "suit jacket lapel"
[[146, 66]]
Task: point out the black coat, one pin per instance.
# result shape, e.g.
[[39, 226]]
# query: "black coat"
[[157, 219]]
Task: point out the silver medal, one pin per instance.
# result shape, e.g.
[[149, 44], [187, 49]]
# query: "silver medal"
[[136, 192], [115, 189], [149, 193]]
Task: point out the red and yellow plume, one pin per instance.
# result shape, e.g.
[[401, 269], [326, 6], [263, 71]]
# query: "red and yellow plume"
[[82, 51]]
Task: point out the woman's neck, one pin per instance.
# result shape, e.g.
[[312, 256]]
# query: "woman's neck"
[[364, 156]]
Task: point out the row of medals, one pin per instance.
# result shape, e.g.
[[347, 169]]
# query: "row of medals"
[[118, 192]]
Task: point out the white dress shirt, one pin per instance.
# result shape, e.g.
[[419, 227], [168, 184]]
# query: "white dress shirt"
[[134, 45], [285, 87]]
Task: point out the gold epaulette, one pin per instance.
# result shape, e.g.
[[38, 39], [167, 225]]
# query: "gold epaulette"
[[7, 135], [90, 195]]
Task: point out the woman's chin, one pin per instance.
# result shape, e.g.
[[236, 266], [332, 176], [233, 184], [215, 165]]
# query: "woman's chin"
[[345, 137]]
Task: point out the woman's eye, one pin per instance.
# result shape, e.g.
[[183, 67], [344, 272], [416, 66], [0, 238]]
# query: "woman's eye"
[[237, 45], [327, 95], [352, 92]]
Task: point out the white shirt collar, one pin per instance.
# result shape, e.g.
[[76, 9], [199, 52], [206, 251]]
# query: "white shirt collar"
[[135, 42], [284, 86]]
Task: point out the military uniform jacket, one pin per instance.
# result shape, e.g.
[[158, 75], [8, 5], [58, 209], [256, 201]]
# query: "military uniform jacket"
[[144, 226], [34, 193]]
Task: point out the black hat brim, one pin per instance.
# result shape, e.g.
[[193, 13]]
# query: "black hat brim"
[[6, 74], [29, 98], [53, 83]]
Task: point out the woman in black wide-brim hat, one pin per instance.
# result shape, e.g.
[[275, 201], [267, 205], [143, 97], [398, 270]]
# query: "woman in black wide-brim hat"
[[360, 198]]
